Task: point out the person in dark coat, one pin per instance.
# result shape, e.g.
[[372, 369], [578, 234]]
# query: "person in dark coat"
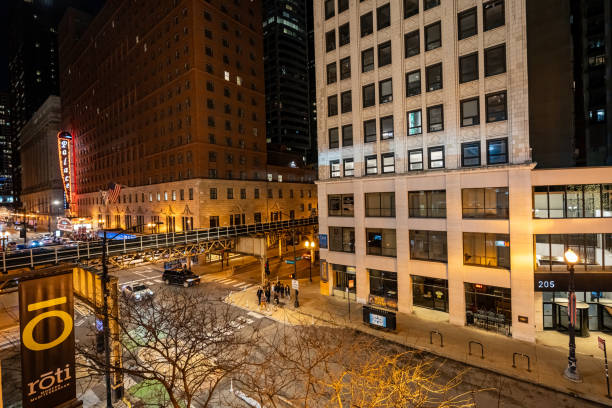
[[267, 292], [287, 291], [259, 295]]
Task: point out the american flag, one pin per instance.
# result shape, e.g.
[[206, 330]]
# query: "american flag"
[[113, 192]]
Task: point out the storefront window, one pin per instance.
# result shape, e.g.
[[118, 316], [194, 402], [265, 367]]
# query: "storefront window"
[[482, 249], [345, 277], [381, 242], [488, 307], [594, 251], [383, 284], [430, 293]]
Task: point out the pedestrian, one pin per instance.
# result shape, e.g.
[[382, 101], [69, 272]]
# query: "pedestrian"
[[267, 292], [259, 294], [281, 289], [287, 291]]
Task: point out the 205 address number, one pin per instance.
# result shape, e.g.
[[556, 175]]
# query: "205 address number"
[[545, 284]]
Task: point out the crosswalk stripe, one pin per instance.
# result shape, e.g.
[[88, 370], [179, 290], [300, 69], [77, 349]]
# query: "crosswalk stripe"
[[255, 315], [223, 280], [244, 284], [158, 281], [231, 282], [246, 287], [149, 283]]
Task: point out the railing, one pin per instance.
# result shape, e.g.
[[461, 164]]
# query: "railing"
[[93, 249]]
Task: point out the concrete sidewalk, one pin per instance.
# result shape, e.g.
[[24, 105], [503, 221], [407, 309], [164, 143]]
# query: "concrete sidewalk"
[[547, 357]]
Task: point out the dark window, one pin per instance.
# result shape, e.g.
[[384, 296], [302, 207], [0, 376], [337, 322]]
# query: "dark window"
[[380, 204], [383, 16], [436, 157], [415, 124], [413, 83], [369, 130], [386, 127], [343, 5], [433, 36], [383, 283], [435, 118], [340, 205], [412, 43], [415, 159], [371, 165], [384, 54], [496, 107], [334, 169], [347, 135], [243, 194], [369, 95], [470, 154], [256, 193], [428, 245], [482, 249], [344, 34], [427, 4], [333, 138], [331, 73], [329, 9], [411, 8], [257, 217], [214, 221], [489, 202], [427, 204], [346, 102], [367, 24], [470, 112], [495, 60], [388, 162], [467, 23], [330, 40], [468, 68], [433, 75], [342, 239], [381, 242], [385, 91], [332, 105], [212, 193], [497, 151], [493, 14], [230, 193], [349, 167], [367, 60], [345, 68]]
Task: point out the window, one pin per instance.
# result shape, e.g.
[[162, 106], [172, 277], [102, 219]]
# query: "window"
[[230, 193], [489, 202], [256, 194], [380, 204], [427, 4], [385, 91], [567, 201], [214, 221], [433, 36], [331, 73], [213, 193], [594, 251], [468, 68], [349, 167], [470, 154], [428, 245], [344, 34], [493, 14], [369, 95], [340, 205], [329, 9], [380, 242], [334, 141], [495, 60], [415, 159], [411, 8], [497, 151], [435, 118], [383, 283], [345, 68], [243, 194], [383, 16], [470, 113], [371, 165], [334, 168], [342, 239], [257, 217], [384, 54], [343, 5], [427, 204], [369, 130], [467, 23], [347, 135], [436, 157], [413, 83], [412, 44], [332, 105], [483, 249], [367, 60], [367, 24], [330, 41], [346, 102], [388, 162], [496, 106], [433, 76], [386, 127], [414, 122]]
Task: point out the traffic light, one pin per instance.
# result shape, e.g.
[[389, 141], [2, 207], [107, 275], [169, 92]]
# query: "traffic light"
[[100, 343], [267, 268]]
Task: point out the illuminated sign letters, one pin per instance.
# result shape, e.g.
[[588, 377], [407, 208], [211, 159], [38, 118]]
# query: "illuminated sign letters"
[[64, 147]]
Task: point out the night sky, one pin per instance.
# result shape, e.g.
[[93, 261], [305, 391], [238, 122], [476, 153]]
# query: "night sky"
[[4, 5]]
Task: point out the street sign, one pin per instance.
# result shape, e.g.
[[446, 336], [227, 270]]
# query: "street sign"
[[601, 343], [295, 284], [289, 261]]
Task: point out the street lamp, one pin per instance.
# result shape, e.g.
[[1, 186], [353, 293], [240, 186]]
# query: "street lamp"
[[571, 372], [311, 246], [54, 203], [5, 236]]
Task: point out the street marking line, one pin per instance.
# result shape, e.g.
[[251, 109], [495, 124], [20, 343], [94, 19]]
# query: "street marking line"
[[255, 315], [158, 281], [149, 282]]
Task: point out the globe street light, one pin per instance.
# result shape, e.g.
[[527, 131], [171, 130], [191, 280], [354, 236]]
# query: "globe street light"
[[571, 372], [311, 246]]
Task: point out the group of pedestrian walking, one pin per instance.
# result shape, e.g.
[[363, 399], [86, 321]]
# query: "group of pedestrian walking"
[[272, 291]]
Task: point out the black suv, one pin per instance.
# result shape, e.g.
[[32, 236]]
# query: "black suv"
[[180, 277]]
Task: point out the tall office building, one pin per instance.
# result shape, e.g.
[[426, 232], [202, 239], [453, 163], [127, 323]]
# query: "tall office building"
[[429, 195], [286, 74], [6, 176], [312, 86], [174, 114]]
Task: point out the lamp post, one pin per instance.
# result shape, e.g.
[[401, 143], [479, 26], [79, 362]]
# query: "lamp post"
[[55, 203], [571, 372], [311, 246], [5, 236], [296, 303]]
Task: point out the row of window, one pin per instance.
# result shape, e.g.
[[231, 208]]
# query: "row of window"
[[497, 153], [572, 201], [159, 196], [213, 193]]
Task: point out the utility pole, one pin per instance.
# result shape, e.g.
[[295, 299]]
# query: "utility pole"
[[109, 402]]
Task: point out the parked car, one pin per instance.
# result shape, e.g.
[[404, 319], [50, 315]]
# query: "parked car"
[[180, 277], [137, 292]]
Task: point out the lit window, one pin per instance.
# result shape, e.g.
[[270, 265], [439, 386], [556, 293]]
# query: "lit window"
[[239, 80], [226, 75]]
